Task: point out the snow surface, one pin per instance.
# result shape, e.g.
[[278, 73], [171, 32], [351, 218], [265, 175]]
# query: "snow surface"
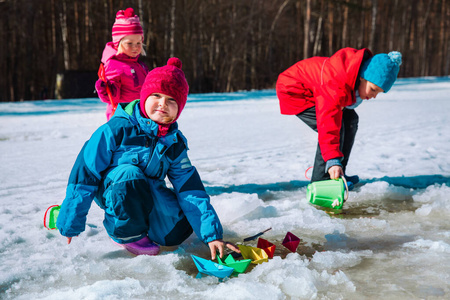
[[392, 240]]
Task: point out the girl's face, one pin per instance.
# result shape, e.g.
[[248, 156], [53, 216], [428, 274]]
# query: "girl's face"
[[130, 45], [162, 109], [368, 90]]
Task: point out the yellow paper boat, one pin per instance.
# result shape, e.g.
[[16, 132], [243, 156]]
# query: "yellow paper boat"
[[257, 255]]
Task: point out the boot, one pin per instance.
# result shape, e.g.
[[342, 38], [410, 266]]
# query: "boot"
[[142, 247]]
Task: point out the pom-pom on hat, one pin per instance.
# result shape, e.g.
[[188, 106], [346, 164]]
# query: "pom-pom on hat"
[[382, 69], [168, 80], [126, 23]]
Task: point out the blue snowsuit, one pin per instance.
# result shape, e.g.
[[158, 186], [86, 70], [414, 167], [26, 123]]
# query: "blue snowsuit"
[[123, 167]]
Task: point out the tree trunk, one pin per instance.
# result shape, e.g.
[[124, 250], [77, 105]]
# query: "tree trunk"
[[344, 24], [172, 28], [77, 35], [274, 23], [330, 28], [373, 25], [307, 29], [440, 61], [64, 35], [53, 26], [392, 28]]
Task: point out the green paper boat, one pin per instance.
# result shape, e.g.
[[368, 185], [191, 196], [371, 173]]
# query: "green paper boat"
[[257, 255], [239, 266]]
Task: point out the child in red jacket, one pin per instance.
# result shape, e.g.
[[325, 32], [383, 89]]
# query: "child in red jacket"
[[323, 92]]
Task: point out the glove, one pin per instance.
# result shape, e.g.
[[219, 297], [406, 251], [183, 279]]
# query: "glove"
[[100, 87]]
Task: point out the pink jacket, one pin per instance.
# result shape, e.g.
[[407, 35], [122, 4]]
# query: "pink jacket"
[[125, 76]]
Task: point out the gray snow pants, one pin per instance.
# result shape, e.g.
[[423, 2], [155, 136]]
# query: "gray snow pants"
[[347, 137]]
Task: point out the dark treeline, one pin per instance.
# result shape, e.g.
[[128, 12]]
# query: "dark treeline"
[[225, 45]]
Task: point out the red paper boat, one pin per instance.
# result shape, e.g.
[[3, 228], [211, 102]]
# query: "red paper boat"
[[266, 246], [291, 241]]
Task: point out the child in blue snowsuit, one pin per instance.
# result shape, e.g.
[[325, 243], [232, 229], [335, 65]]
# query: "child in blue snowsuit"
[[123, 167]]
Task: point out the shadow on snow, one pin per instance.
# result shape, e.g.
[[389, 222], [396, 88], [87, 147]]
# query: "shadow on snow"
[[414, 182]]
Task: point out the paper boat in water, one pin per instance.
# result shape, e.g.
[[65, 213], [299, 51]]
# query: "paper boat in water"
[[239, 266], [291, 241], [257, 255], [209, 267], [267, 246]]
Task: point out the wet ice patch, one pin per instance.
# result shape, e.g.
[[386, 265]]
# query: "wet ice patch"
[[436, 200], [104, 289], [381, 190], [231, 207], [294, 277], [435, 246], [337, 260]]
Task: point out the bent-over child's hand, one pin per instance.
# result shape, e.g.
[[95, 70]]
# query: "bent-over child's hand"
[[220, 244], [69, 239], [335, 172]]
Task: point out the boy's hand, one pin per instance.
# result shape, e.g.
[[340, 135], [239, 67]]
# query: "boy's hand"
[[220, 244], [335, 172]]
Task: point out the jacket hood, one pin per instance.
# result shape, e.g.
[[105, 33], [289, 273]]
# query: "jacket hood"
[[345, 65]]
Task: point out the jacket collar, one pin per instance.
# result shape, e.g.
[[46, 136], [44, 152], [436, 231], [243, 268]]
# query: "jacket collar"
[[132, 111], [111, 53]]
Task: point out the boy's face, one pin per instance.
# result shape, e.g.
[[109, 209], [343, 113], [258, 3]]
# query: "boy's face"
[[160, 108], [368, 90], [131, 45]]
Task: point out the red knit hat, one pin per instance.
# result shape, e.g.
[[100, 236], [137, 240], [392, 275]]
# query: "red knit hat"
[[126, 23], [168, 80]]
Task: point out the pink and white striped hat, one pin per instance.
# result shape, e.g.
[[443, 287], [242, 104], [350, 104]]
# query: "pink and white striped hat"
[[126, 23]]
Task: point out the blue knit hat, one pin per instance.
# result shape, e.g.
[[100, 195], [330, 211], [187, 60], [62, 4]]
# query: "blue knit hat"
[[382, 69]]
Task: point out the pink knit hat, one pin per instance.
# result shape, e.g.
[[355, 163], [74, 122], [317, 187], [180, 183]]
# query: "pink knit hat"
[[168, 80], [126, 23]]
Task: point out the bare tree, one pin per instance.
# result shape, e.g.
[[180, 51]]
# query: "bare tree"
[[65, 35], [225, 45], [307, 29], [373, 24]]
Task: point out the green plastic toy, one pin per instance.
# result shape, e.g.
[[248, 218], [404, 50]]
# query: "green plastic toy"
[[50, 217], [328, 193]]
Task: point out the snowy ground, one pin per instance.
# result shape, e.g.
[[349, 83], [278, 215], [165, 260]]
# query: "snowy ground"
[[392, 240]]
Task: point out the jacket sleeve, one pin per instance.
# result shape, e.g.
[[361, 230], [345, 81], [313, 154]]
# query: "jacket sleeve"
[[84, 180], [193, 199], [114, 80], [329, 120], [100, 87]]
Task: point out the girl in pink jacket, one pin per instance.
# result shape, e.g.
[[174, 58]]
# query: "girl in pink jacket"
[[121, 74]]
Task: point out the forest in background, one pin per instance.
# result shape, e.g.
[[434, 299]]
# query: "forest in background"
[[225, 45]]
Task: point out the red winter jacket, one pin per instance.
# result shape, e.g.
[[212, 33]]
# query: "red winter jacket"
[[328, 83]]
